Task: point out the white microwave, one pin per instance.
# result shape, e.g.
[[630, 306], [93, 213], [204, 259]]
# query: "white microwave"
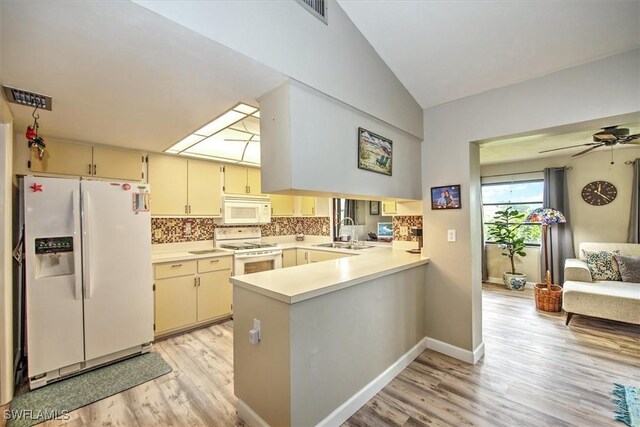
[[246, 210]]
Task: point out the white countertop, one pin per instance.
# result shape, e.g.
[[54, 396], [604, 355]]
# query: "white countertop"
[[295, 284], [180, 251]]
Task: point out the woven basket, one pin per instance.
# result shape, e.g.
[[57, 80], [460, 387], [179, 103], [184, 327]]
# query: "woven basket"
[[548, 296]]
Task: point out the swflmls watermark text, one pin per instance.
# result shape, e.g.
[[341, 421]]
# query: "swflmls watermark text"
[[36, 415]]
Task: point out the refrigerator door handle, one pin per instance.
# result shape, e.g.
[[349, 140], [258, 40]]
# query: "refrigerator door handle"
[[76, 221], [86, 245]]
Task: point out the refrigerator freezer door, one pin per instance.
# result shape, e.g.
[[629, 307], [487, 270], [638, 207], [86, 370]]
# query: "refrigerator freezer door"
[[118, 282], [53, 275]]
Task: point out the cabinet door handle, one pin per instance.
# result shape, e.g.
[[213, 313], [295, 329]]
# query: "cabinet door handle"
[[215, 260], [313, 210], [94, 169], [90, 168], [195, 282], [185, 209], [271, 211], [189, 208], [176, 265], [306, 254]]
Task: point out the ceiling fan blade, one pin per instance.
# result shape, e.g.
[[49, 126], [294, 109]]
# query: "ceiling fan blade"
[[587, 150], [571, 146], [631, 139]]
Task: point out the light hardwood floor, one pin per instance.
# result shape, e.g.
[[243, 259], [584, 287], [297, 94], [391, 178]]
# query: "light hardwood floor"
[[535, 372]]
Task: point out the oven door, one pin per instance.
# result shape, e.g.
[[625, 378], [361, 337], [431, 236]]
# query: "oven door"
[[247, 263]]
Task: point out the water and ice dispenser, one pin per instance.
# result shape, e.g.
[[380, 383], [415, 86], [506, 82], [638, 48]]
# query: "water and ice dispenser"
[[54, 256]]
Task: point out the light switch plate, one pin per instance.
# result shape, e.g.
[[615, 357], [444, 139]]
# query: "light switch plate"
[[451, 235], [404, 231]]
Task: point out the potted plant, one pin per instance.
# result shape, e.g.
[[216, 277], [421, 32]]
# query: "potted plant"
[[504, 232]]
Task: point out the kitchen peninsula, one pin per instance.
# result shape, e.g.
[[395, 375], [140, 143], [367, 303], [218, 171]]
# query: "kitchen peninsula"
[[332, 334]]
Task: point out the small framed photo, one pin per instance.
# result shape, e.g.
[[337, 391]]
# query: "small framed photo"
[[447, 197], [375, 152], [374, 208]]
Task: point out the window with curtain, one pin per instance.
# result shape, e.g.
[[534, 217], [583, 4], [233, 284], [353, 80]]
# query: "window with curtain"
[[525, 196]]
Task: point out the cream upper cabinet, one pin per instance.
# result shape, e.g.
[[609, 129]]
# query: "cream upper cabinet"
[[67, 158], [389, 207], [307, 206], [242, 180], [235, 179], [184, 186], [282, 205], [64, 158], [168, 181], [323, 206], [117, 164], [254, 181], [203, 194], [409, 208]]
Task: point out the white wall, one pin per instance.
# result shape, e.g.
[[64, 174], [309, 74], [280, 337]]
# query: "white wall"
[[6, 260], [604, 88], [335, 58], [323, 148]]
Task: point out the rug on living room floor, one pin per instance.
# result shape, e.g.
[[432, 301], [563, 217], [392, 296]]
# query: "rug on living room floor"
[[56, 400], [628, 404]]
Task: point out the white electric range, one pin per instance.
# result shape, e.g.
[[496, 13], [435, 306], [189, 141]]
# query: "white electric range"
[[250, 254]]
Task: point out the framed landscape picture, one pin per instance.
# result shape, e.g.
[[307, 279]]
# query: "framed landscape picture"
[[447, 197], [374, 208], [375, 152]]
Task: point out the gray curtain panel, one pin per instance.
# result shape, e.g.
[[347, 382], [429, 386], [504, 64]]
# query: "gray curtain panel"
[[633, 236], [560, 241]]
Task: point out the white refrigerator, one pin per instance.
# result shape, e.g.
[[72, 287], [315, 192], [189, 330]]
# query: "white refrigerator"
[[88, 278]]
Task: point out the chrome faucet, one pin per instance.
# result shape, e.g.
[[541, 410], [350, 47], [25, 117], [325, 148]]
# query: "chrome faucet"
[[354, 237]]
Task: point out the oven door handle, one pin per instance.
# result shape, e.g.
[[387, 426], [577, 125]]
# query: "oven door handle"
[[268, 254]]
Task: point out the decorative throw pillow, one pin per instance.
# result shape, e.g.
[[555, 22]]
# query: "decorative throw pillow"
[[629, 268], [602, 265]]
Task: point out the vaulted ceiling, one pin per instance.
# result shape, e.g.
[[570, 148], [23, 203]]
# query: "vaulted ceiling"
[[446, 50]]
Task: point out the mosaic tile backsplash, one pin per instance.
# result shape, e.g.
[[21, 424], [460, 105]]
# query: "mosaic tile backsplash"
[[172, 230], [406, 221]]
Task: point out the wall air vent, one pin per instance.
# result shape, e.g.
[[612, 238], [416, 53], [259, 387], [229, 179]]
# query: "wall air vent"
[[29, 99], [317, 8]]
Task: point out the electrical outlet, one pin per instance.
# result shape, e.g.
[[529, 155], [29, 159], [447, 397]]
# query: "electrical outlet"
[[157, 234], [277, 228], [451, 235], [404, 231]]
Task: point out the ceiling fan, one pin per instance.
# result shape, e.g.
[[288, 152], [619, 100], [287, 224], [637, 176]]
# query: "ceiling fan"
[[607, 137]]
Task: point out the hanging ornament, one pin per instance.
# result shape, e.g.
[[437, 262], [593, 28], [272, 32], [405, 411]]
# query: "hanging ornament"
[[33, 140]]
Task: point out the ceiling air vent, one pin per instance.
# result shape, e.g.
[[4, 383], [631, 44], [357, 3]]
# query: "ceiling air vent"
[[24, 97], [318, 8]]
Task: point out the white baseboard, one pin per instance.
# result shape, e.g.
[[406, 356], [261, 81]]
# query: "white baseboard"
[[359, 399], [355, 402], [249, 416], [467, 356]]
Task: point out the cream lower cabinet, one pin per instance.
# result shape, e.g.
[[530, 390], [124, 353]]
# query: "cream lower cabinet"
[[289, 258], [190, 293], [307, 256]]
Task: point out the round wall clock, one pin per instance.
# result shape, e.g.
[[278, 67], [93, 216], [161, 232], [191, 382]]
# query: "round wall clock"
[[599, 193]]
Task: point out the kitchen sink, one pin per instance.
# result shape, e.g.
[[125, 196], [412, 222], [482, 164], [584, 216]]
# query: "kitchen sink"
[[340, 245], [205, 251]]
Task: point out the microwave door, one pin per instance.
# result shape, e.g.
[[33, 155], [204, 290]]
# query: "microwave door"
[[241, 213]]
